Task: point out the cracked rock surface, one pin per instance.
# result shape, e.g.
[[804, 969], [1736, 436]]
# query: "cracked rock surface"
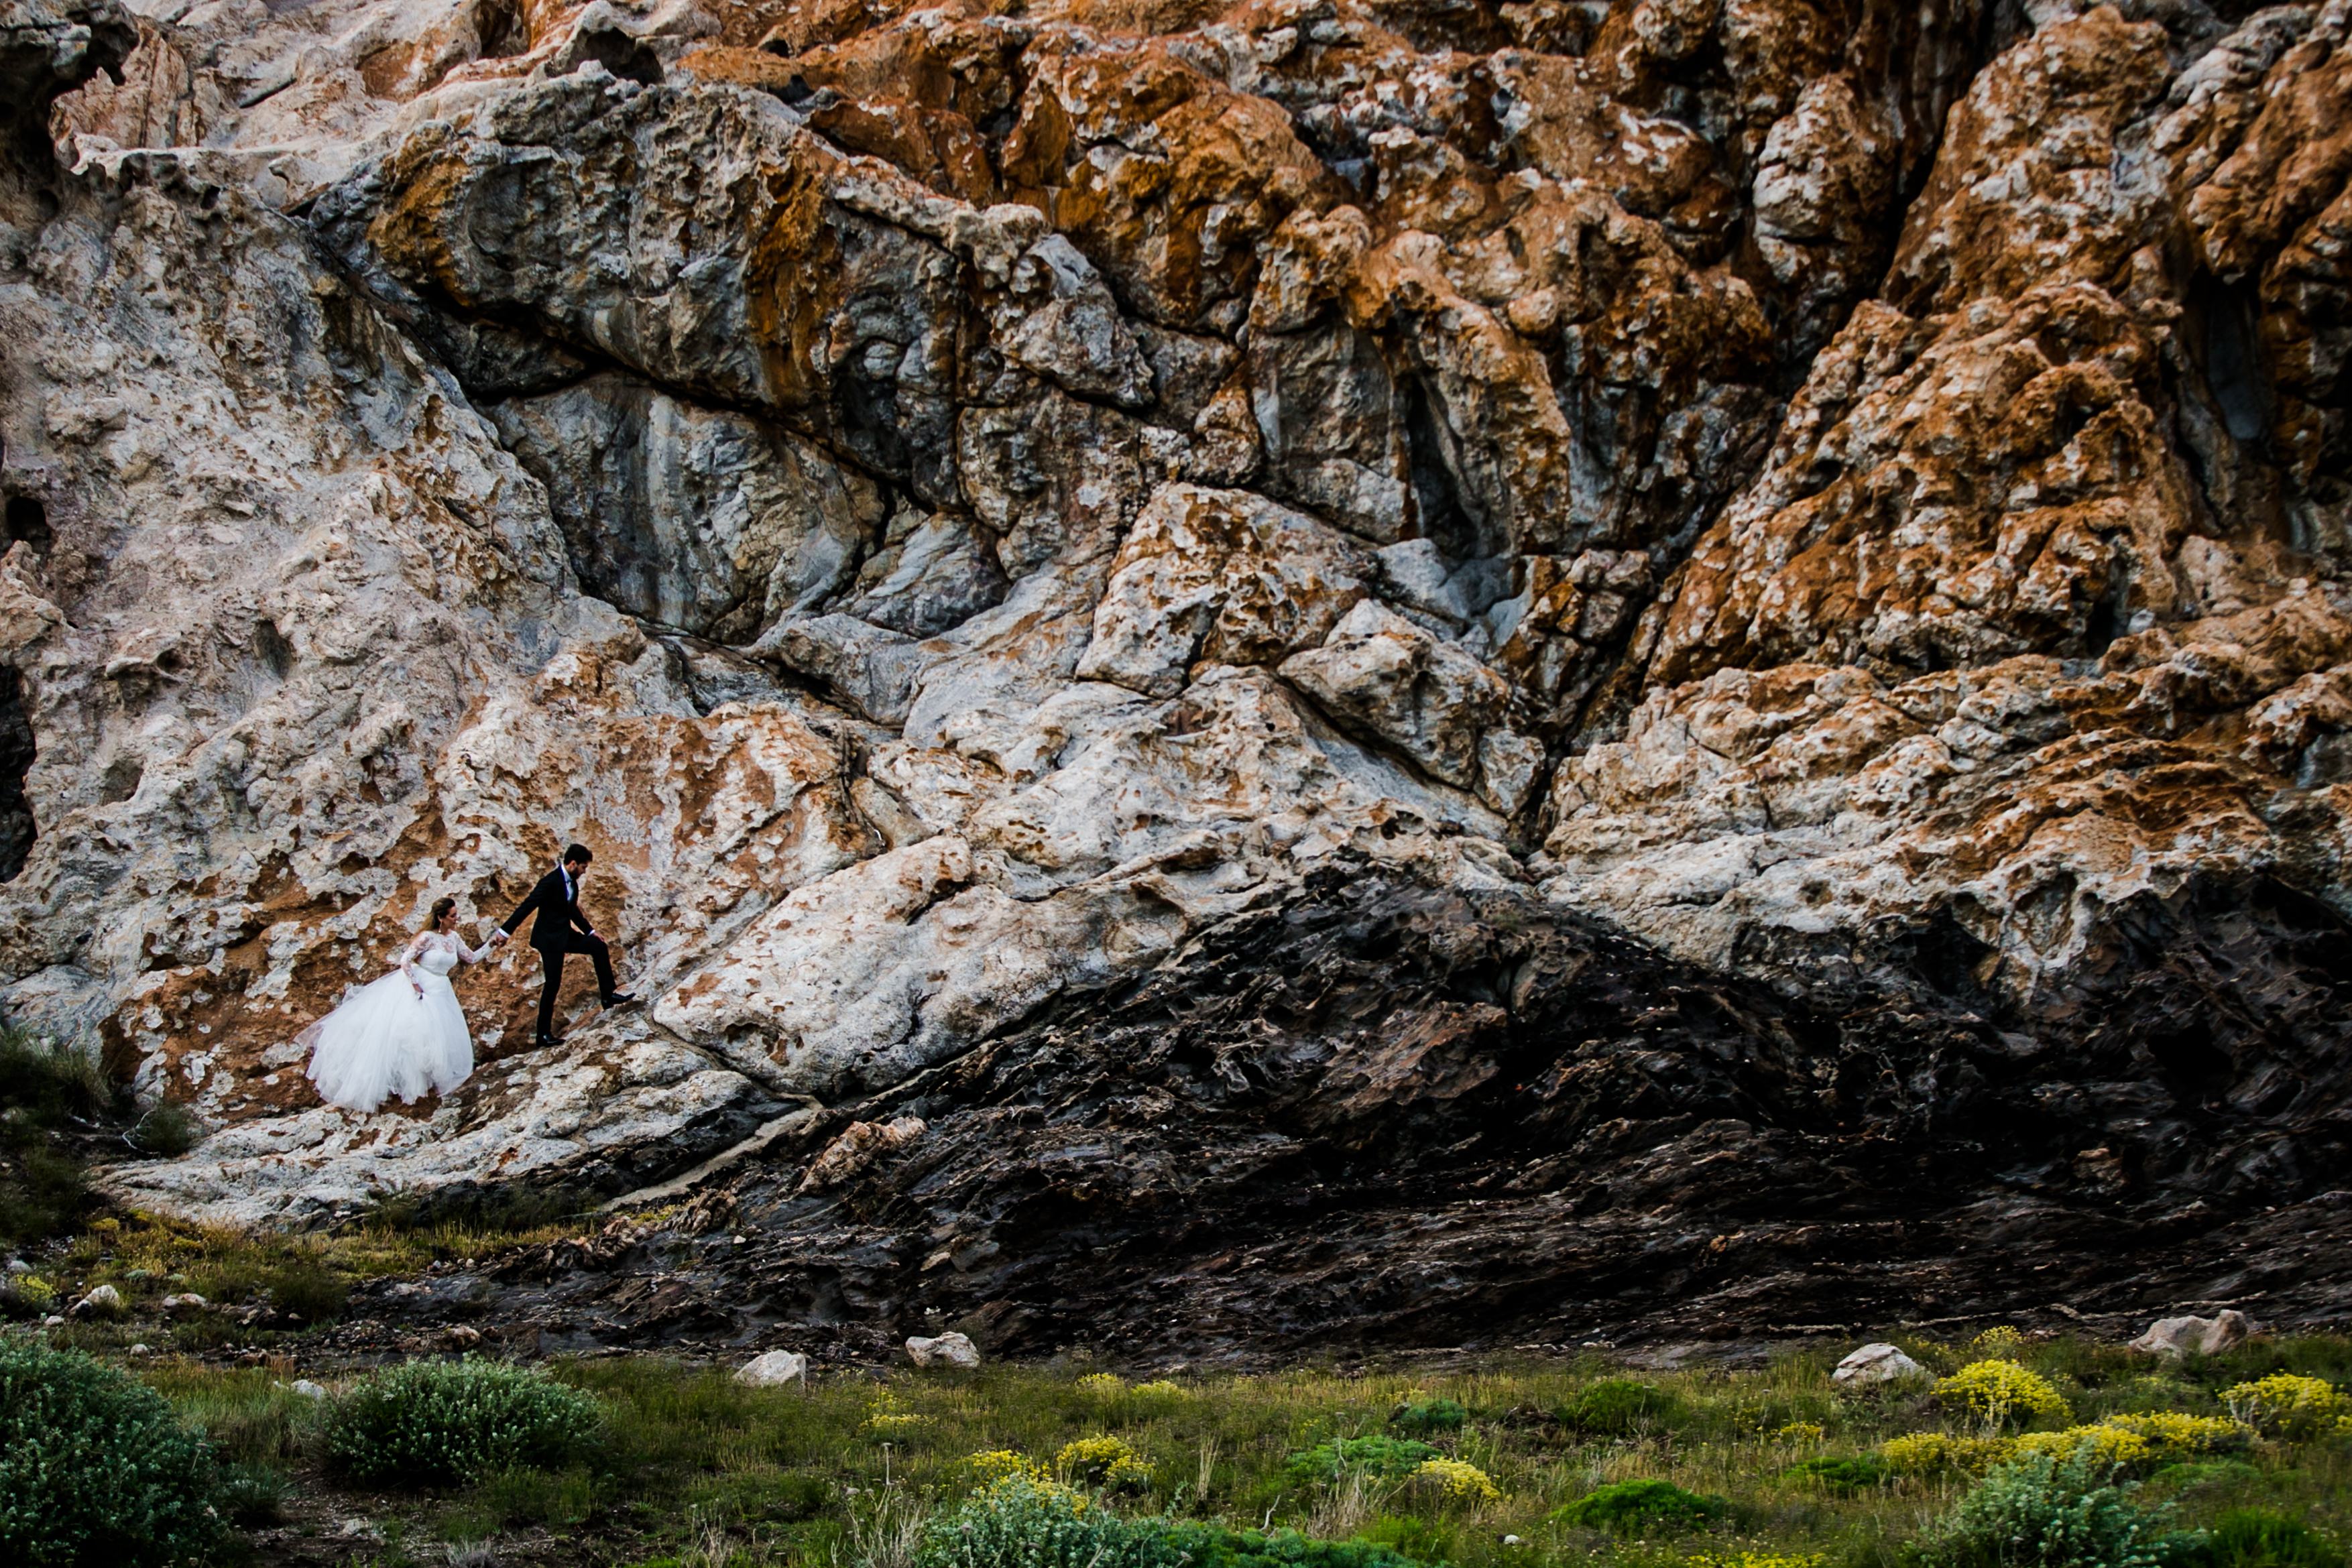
[[1320, 670]]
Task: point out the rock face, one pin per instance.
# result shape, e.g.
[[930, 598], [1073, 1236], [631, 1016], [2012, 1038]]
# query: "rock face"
[[1335, 667]]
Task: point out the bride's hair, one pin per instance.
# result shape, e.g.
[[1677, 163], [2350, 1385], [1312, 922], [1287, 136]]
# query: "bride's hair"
[[441, 906]]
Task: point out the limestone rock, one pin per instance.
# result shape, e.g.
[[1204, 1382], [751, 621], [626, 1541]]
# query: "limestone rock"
[[984, 520], [103, 1301], [1877, 1364], [775, 1367], [947, 1350], [2194, 1336]]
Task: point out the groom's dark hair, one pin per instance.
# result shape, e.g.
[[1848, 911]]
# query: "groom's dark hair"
[[577, 852]]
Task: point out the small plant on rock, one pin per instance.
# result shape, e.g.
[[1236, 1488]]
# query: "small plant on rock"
[[2002, 1394], [94, 1469], [1641, 1508], [456, 1421]]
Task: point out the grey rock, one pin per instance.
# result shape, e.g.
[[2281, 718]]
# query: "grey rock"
[[775, 1367], [1877, 1364], [946, 1349], [2189, 1335]]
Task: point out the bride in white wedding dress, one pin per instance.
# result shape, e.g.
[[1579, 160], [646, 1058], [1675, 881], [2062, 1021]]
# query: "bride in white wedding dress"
[[402, 1035]]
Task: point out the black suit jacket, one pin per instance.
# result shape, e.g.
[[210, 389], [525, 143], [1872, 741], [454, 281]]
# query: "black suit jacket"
[[557, 916]]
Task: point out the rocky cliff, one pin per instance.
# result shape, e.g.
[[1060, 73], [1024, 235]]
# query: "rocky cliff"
[[1321, 669]]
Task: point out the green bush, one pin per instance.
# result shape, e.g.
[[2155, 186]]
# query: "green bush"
[[456, 1421], [94, 1469], [252, 1495], [2051, 1513], [2257, 1538], [1386, 1457], [1429, 1416], [1216, 1546], [1840, 1475], [168, 1128], [1616, 1405], [42, 1082], [1022, 1521], [1637, 1508]]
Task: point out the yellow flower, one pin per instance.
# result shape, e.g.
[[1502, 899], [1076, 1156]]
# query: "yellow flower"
[[1798, 1432], [1457, 1482], [1021, 1484], [1923, 1453], [1103, 1461], [1997, 1392], [2286, 1406], [2001, 1342], [1160, 1388], [1102, 1385], [2102, 1445], [1756, 1559], [994, 1464], [2174, 1432], [884, 1415]]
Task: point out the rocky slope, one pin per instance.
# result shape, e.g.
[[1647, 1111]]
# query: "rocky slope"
[[1403, 671]]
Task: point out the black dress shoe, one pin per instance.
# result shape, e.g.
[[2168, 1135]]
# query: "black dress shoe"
[[620, 998], [549, 1039]]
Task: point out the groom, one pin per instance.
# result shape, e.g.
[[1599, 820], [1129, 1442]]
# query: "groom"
[[556, 901]]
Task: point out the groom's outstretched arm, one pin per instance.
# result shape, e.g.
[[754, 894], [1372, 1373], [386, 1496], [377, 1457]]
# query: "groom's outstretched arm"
[[524, 909]]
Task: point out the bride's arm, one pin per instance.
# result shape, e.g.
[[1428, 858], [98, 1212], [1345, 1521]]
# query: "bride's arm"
[[408, 956], [472, 955]]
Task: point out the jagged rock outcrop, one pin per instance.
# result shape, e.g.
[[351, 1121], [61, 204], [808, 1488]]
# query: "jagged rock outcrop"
[[1308, 577]]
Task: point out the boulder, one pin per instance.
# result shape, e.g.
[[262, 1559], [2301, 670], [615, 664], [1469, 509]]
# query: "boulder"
[[305, 1388], [104, 1301], [1877, 1364], [2194, 1336], [947, 1350], [776, 1367], [188, 1303]]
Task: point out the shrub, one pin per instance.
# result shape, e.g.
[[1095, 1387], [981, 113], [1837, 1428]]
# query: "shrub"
[[168, 1129], [1841, 1475], [2257, 1538], [1617, 1404], [1635, 1507], [886, 1417], [1998, 1342], [252, 1495], [1021, 1521], [1102, 1385], [2286, 1406], [2205, 1476], [2002, 1392], [1160, 1388], [1456, 1481], [1755, 1560], [1428, 1416], [94, 1469], [1103, 1462], [2169, 1431], [1216, 1546], [2104, 1447], [2050, 1511], [461, 1421], [993, 1465], [1925, 1453], [1386, 1457]]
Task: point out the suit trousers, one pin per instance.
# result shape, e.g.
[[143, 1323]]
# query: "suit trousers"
[[550, 960]]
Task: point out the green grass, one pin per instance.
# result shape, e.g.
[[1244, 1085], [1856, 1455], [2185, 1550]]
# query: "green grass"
[[699, 1468]]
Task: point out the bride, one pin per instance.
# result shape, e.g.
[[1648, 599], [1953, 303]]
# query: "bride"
[[403, 1034]]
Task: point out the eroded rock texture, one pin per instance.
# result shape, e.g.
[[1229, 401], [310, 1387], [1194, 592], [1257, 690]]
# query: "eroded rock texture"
[[1312, 670]]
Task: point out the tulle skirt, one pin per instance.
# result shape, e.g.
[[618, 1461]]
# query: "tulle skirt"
[[386, 1042]]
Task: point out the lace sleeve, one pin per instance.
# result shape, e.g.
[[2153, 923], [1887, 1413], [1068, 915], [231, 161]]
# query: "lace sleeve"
[[410, 954], [471, 955]]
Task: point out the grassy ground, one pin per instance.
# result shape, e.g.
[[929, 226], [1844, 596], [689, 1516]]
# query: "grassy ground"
[[841, 1474]]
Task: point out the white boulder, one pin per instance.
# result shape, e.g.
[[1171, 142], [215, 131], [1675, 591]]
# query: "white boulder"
[[103, 1301], [947, 1350], [1877, 1364], [2201, 1336], [776, 1367]]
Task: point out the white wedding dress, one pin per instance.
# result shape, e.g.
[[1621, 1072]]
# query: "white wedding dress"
[[387, 1041]]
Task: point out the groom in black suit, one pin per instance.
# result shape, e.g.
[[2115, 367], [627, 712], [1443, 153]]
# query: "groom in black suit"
[[556, 901]]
